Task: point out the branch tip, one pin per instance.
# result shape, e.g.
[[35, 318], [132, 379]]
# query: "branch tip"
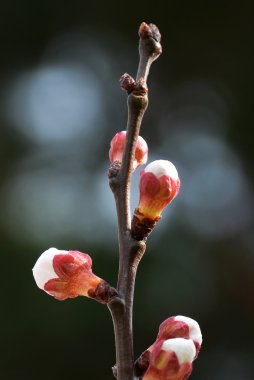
[[149, 31], [149, 48]]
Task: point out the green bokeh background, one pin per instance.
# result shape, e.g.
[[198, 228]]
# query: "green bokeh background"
[[204, 275]]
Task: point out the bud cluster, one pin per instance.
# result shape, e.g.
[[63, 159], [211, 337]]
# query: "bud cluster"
[[159, 184]]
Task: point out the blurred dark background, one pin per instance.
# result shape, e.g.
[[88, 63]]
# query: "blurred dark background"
[[60, 106]]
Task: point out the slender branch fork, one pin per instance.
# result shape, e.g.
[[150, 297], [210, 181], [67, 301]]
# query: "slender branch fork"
[[130, 249]]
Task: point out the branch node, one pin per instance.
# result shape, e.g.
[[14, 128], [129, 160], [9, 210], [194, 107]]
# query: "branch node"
[[114, 370], [127, 83], [141, 226], [103, 293], [141, 364], [140, 87], [137, 250], [114, 169]]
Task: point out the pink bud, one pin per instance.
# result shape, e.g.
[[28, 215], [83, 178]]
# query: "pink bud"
[[171, 360], [181, 327], [159, 185], [117, 149], [65, 274], [180, 334]]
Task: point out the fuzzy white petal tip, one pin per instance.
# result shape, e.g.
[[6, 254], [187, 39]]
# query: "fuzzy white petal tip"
[[43, 270], [184, 349], [194, 329], [162, 167]]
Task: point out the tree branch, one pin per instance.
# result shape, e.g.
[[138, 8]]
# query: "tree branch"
[[130, 250]]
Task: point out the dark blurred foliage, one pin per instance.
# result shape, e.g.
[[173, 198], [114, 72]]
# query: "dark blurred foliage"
[[60, 106]]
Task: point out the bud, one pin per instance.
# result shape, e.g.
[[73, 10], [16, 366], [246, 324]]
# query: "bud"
[[117, 149], [172, 328], [159, 185], [181, 327], [68, 274], [171, 359]]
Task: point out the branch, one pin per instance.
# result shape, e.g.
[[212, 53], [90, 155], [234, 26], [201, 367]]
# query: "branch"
[[130, 250]]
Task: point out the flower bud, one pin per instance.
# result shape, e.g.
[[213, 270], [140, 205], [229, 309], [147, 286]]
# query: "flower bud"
[[159, 185], [117, 149], [171, 359], [170, 330], [68, 274], [181, 327]]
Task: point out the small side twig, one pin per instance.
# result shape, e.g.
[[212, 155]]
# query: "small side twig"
[[130, 249]]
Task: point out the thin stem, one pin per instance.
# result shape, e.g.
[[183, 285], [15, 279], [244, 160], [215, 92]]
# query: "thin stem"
[[130, 250], [136, 109], [121, 310]]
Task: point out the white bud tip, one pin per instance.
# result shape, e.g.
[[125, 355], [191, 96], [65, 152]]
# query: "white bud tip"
[[162, 167], [194, 329], [43, 270], [184, 349]]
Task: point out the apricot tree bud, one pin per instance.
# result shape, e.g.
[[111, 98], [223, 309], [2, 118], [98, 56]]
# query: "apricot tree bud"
[[117, 149], [159, 184], [68, 274], [181, 327], [171, 359], [172, 328]]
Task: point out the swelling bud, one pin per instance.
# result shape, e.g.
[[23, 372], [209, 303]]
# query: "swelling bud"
[[181, 327], [171, 360], [117, 149], [68, 274], [159, 185], [169, 331]]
